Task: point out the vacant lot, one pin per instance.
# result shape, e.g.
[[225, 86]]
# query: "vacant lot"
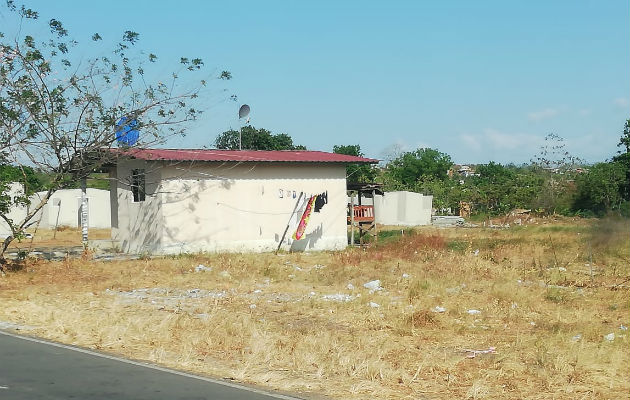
[[530, 312]]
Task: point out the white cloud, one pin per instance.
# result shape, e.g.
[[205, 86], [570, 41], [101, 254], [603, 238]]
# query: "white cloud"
[[509, 141], [471, 141], [621, 102], [500, 146], [541, 115]]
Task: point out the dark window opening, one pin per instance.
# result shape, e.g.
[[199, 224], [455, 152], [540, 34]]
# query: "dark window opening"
[[137, 185]]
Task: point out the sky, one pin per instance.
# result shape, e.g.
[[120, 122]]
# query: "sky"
[[479, 80]]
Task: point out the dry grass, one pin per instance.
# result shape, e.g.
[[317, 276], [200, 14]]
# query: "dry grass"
[[65, 236], [264, 319]]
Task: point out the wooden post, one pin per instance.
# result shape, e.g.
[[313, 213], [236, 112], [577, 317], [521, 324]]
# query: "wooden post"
[[374, 215], [289, 221], [351, 219]]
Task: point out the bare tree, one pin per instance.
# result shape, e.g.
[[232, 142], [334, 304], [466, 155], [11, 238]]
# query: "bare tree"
[[63, 115]]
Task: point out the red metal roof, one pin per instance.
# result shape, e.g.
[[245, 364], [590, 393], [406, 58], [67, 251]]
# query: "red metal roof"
[[243, 155]]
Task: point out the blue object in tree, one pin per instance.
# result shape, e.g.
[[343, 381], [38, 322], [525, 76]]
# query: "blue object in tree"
[[126, 132]]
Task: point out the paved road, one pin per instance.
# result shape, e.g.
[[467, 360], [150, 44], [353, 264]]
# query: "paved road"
[[32, 369]]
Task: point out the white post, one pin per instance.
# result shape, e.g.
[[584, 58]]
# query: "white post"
[[84, 212]]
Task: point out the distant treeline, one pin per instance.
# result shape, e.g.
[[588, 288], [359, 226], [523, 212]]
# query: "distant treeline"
[[553, 182]]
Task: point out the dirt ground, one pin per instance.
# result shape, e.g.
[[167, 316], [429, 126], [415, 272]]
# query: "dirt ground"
[[534, 312]]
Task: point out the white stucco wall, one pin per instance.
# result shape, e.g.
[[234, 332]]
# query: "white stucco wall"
[[232, 207], [403, 208], [63, 208], [15, 214], [137, 226]]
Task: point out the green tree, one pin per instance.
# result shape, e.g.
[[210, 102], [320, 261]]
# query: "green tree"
[[599, 190], [61, 118], [23, 175], [623, 158], [606, 186], [557, 166], [255, 139], [356, 173], [420, 165], [624, 141]]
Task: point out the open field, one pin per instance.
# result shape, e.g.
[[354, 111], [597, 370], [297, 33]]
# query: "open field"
[[526, 312], [64, 236]]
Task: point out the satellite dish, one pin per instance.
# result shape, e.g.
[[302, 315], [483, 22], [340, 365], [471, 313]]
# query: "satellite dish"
[[243, 111], [126, 132]]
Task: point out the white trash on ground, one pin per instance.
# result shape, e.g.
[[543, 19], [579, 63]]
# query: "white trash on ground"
[[202, 268], [373, 304], [473, 312], [438, 309], [610, 337], [341, 297], [373, 286]]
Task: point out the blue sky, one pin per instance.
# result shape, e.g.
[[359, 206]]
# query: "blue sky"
[[478, 80]]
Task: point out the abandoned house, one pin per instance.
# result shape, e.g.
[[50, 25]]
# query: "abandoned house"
[[177, 201]]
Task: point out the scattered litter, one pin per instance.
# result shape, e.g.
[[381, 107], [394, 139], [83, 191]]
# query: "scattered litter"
[[406, 276], [473, 312], [610, 337], [257, 291], [312, 293], [446, 221], [350, 286], [373, 304], [338, 297], [162, 297], [577, 337], [474, 353], [438, 309], [623, 327], [252, 306], [373, 286], [562, 269], [456, 289], [202, 268], [297, 268], [291, 276], [514, 306], [532, 323], [225, 274], [319, 266], [476, 252]]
